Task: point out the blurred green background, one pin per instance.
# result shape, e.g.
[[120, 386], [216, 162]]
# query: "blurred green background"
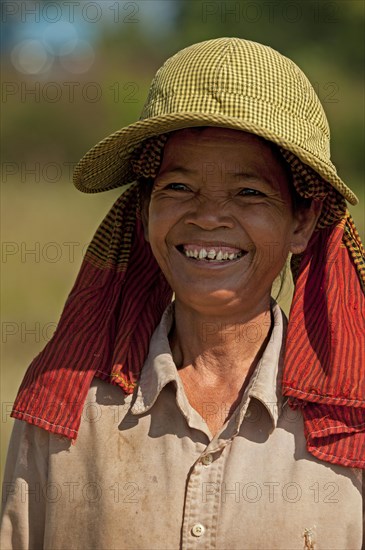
[[73, 72]]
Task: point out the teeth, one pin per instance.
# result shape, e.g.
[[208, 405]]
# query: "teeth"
[[212, 254]]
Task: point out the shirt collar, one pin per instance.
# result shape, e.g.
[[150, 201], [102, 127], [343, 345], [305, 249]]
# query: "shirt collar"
[[266, 380], [159, 368]]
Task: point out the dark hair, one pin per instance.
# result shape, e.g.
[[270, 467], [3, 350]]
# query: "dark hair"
[[146, 185], [298, 202]]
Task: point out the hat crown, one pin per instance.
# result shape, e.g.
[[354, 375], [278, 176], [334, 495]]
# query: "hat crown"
[[224, 82], [246, 81]]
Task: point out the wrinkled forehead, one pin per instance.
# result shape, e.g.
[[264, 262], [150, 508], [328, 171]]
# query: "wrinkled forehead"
[[191, 142]]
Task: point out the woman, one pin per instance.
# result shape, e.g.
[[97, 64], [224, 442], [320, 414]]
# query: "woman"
[[209, 422]]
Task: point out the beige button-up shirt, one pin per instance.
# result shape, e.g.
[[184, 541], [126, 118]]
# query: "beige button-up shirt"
[[146, 473]]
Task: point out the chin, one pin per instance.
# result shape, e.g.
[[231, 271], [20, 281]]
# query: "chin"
[[221, 298], [223, 301]]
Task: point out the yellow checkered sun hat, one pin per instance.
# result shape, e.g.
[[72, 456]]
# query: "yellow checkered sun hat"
[[226, 82]]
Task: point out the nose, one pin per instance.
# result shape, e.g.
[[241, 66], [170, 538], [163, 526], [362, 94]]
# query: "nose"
[[209, 214]]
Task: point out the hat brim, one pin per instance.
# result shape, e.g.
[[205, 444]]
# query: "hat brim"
[[107, 165]]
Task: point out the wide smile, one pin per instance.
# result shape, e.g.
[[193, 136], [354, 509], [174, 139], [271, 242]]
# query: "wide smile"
[[212, 254]]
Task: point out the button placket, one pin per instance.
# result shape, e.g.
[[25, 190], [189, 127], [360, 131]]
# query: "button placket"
[[202, 503]]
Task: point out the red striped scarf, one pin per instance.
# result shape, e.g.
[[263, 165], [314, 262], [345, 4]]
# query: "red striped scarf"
[[324, 363]]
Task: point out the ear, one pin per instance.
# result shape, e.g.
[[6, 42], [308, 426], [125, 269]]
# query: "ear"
[[304, 225], [145, 216]]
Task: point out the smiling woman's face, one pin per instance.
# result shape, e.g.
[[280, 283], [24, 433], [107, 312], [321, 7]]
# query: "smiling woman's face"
[[220, 221]]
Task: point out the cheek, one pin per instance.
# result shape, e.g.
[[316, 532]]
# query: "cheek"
[[160, 221], [270, 231], [267, 222]]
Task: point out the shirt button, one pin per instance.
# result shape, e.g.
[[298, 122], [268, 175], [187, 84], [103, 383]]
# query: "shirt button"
[[207, 459], [198, 530]]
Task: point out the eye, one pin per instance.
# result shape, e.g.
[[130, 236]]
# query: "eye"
[[177, 187], [248, 192]]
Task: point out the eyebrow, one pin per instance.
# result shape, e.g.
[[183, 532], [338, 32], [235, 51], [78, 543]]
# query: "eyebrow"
[[179, 170], [254, 177]]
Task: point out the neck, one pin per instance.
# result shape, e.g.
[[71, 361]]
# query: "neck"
[[219, 350]]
